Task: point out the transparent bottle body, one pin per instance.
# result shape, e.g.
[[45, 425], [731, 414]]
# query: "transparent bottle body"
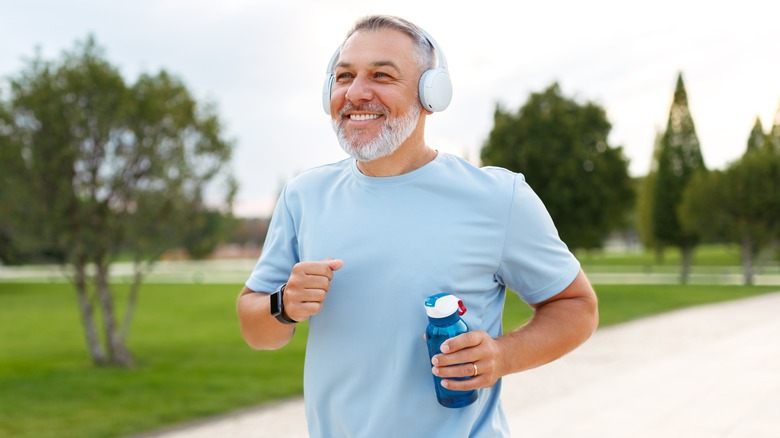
[[438, 331]]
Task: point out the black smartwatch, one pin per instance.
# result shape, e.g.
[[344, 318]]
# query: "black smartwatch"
[[277, 306]]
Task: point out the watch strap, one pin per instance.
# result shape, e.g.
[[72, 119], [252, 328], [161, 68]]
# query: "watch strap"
[[279, 313]]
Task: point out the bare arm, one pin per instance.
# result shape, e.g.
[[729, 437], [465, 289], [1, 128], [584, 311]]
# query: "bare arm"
[[558, 325], [259, 329], [304, 295]]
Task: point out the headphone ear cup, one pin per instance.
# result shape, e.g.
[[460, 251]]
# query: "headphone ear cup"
[[435, 89], [327, 88]]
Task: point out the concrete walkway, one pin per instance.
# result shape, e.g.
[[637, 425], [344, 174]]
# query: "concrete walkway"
[[709, 371]]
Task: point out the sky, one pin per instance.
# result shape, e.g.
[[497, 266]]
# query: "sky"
[[262, 63]]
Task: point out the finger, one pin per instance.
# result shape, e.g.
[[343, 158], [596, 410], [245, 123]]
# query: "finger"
[[304, 295], [457, 358], [466, 385], [325, 267], [302, 311], [313, 296], [313, 269], [316, 282], [462, 341], [298, 283], [459, 370], [334, 264]]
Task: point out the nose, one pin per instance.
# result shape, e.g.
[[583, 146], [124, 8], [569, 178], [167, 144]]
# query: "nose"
[[359, 90]]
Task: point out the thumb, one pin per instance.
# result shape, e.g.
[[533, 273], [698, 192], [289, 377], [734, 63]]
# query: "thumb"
[[334, 264]]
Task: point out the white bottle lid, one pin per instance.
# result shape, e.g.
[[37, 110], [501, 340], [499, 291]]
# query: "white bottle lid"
[[445, 306]]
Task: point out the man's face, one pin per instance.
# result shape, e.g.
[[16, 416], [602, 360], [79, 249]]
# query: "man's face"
[[374, 101]]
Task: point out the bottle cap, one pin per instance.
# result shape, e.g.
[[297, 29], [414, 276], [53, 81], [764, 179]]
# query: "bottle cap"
[[443, 305]]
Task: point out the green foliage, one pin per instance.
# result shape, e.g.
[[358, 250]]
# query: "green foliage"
[[679, 158], [757, 140], [86, 157], [96, 168], [645, 192], [740, 204], [773, 136], [700, 210], [208, 229], [561, 147]]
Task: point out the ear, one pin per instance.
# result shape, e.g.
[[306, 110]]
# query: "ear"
[[326, 92], [435, 89]]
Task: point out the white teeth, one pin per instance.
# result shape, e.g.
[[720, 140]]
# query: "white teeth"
[[360, 117]]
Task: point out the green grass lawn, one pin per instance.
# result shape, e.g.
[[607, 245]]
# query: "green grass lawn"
[[191, 360], [704, 256]]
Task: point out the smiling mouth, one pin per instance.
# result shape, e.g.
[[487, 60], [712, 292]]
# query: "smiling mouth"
[[362, 117]]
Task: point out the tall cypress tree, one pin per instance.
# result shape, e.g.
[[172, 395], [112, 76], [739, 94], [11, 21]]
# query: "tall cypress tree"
[[757, 138], [773, 137], [680, 157]]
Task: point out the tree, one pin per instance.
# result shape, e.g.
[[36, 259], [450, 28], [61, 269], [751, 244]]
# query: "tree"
[[561, 147], [740, 204], [208, 229], [10, 162], [101, 168], [679, 159], [645, 202], [757, 140], [773, 136]]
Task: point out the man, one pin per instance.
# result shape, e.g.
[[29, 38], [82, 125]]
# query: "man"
[[355, 247]]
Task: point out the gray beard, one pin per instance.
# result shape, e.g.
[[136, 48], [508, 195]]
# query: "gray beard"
[[394, 132]]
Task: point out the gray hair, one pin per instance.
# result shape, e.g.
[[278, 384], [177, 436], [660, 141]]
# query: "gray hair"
[[423, 50]]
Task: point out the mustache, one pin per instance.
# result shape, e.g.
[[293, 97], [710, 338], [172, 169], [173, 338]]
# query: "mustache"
[[365, 107]]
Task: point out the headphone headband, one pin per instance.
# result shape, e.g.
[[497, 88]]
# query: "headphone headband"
[[441, 60], [435, 86]]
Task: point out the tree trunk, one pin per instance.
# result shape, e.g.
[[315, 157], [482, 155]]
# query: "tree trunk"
[[747, 259], [687, 259], [117, 351], [132, 299], [96, 350]]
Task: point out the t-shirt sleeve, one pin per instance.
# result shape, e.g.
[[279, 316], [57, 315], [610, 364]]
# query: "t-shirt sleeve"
[[535, 263], [280, 251]]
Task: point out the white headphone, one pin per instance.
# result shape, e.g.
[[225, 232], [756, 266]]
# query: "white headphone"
[[435, 87]]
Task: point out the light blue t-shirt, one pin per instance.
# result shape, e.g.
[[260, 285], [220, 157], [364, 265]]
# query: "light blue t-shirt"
[[445, 227]]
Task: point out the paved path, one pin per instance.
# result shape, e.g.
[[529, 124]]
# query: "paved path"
[[710, 371]]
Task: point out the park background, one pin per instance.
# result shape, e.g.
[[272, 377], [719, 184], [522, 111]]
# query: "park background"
[[629, 85]]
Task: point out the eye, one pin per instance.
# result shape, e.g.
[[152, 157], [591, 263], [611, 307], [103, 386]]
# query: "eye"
[[343, 76]]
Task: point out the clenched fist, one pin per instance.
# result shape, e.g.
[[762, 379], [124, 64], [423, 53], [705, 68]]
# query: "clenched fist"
[[308, 287]]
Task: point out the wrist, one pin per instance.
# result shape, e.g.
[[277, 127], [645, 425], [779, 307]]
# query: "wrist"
[[507, 361], [277, 307]]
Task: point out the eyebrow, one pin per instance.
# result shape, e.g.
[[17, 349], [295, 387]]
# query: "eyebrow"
[[373, 64]]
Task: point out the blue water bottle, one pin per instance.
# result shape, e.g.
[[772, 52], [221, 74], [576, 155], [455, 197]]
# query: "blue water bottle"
[[444, 321]]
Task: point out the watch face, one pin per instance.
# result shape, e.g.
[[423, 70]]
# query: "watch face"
[[276, 303]]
